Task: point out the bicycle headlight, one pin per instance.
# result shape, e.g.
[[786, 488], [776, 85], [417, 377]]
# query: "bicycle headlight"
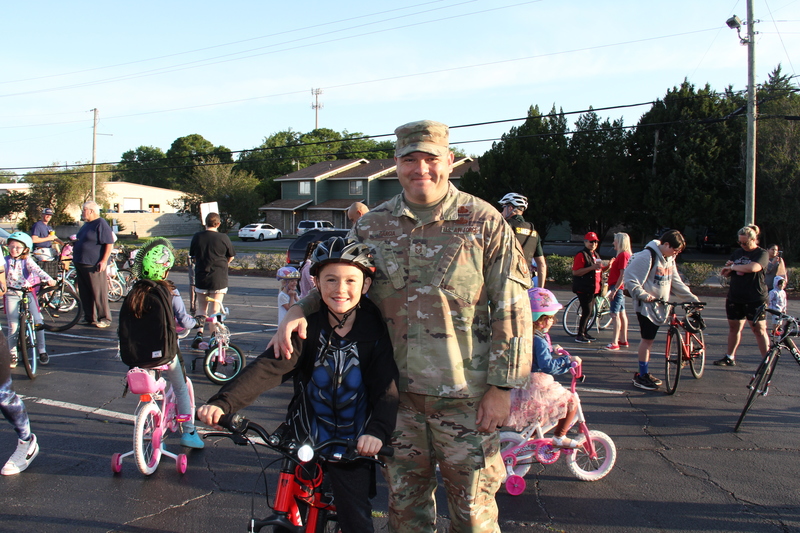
[[305, 453]]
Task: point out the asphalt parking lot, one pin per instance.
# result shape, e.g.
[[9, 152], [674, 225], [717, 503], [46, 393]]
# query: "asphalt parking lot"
[[679, 467]]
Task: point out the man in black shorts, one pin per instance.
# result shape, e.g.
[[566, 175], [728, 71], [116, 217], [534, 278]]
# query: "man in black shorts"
[[513, 206], [651, 275]]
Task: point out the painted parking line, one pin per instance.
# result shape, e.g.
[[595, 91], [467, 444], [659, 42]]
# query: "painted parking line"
[[79, 408]]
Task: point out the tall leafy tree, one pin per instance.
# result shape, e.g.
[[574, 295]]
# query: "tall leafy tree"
[[778, 165], [146, 165], [232, 189], [192, 151], [531, 159], [688, 162], [600, 174]]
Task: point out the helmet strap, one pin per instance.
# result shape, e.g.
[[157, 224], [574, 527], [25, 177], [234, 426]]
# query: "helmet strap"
[[341, 321]]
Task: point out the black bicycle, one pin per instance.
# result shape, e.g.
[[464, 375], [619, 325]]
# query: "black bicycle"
[[303, 500], [60, 305], [759, 383]]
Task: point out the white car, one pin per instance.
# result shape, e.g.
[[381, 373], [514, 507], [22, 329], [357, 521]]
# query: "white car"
[[306, 225], [259, 232]]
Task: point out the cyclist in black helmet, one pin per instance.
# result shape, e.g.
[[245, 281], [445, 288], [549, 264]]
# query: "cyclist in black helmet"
[[345, 378], [513, 205]]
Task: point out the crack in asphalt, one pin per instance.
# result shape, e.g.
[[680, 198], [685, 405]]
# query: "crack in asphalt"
[[164, 510]]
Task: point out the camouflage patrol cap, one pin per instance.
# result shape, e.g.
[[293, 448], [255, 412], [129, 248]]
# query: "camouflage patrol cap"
[[422, 136]]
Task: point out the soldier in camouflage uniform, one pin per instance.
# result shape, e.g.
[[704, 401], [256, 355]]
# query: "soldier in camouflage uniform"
[[457, 310]]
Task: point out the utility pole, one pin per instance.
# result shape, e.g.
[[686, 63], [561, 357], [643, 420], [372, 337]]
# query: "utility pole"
[[94, 154], [752, 111], [315, 105], [735, 23]]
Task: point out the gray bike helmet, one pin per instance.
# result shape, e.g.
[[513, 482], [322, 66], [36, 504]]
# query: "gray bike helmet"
[[517, 200], [339, 250]]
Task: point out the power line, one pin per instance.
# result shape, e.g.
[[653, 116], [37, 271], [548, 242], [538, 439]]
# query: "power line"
[[707, 121]]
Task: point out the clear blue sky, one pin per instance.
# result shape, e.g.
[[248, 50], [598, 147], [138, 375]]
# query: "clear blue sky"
[[236, 72]]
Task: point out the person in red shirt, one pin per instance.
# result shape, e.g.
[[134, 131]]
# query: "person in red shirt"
[[622, 244], [587, 272]]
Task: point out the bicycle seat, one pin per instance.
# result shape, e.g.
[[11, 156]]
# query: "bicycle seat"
[[142, 381]]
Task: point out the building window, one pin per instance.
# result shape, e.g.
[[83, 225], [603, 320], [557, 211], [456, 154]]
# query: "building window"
[[154, 208], [356, 188], [304, 188]]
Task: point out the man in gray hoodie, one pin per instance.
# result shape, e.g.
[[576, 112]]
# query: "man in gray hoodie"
[[650, 277]]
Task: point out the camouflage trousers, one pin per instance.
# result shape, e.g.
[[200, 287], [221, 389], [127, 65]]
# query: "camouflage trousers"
[[430, 431]]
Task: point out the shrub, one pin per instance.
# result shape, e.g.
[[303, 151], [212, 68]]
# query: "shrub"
[[723, 280], [270, 262], [559, 269], [793, 278], [696, 274]]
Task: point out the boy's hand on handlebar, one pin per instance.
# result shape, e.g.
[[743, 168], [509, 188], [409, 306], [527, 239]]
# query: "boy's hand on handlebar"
[[210, 415], [368, 445]]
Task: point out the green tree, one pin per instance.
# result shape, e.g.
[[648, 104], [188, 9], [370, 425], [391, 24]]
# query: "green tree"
[[60, 188], [688, 162], [13, 203], [287, 151], [777, 162], [600, 174], [189, 152], [231, 189], [7, 176], [146, 165], [531, 159]]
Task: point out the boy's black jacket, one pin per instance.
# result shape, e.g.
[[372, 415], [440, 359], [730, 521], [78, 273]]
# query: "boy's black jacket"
[[379, 370]]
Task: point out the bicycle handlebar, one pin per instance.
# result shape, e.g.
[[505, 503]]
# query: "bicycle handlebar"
[[239, 426]]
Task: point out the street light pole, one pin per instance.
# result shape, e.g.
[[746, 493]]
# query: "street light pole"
[[750, 172]]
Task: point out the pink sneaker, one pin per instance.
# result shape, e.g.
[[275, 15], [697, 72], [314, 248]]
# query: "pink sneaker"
[[612, 347]]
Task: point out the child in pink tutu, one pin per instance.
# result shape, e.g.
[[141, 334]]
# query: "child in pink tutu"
[[543, 399]]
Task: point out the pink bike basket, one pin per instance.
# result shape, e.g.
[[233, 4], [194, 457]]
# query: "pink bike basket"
[[140, 381]]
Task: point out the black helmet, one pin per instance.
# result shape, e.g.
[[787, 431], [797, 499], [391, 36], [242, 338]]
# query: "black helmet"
[[694, 322], [339, 250]]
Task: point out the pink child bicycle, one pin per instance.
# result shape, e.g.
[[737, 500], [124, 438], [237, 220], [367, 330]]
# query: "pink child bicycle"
[[593, 459], [153, 420]]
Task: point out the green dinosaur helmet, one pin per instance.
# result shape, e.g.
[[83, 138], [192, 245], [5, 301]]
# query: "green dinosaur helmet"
[[154, 259]]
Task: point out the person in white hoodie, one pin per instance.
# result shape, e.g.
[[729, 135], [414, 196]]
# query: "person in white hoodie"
[[650, 277]]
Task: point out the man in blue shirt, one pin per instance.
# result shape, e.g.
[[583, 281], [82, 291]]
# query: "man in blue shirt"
[[90, 254]]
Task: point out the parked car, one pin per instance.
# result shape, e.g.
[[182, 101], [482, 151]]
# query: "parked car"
[[306, 225], [259, 232], [707, 241], [297, 250]]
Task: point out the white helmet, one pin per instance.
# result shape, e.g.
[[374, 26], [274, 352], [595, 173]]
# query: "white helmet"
[[517, 200]]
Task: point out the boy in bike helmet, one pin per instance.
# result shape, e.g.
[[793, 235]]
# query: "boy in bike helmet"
[[151, 267], [23, 271], [345, 377]]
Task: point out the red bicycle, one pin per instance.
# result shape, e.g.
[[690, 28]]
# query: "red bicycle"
[[303, 501]]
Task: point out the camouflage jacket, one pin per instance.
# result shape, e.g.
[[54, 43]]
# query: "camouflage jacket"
[[452, 289]]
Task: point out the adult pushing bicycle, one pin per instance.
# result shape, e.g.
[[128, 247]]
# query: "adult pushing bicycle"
[[303, 500], [760, 382]]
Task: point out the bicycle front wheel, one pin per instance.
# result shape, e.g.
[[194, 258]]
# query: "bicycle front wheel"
[[759, 383], [697, 354], [115, 290], [509, 439], [26, 348], [147, 439], [61, 308], [571, 316], [602, 312], [587, 468], [221, 367], [674, 356]]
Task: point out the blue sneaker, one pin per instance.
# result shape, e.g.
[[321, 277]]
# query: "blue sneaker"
[[192, 440]]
